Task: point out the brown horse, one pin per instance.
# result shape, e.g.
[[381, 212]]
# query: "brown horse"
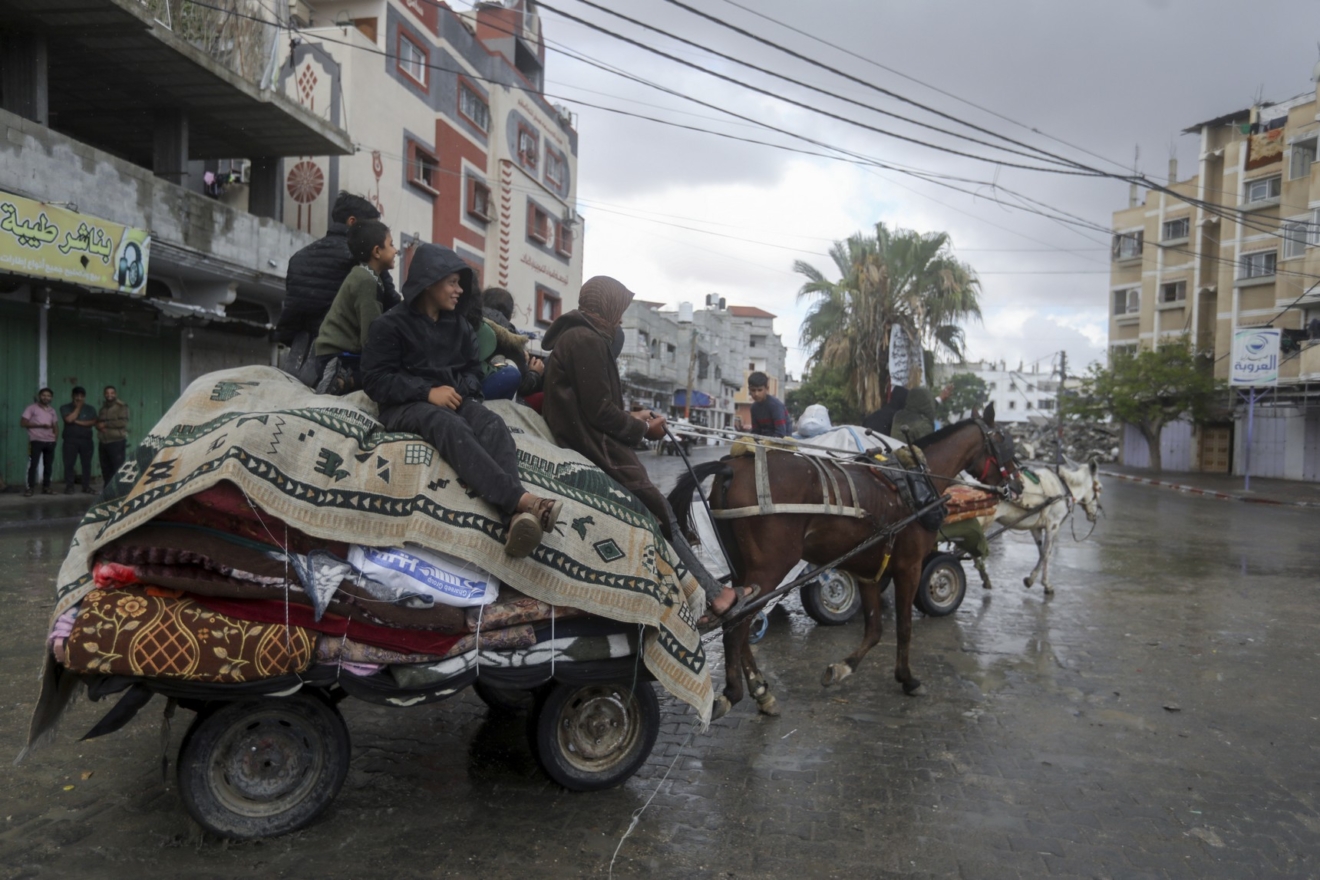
[[765, 548]]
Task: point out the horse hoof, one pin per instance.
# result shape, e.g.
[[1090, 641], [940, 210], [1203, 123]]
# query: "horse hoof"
[[1049, 591], [911, 686], [721, 708], [1026, 582], [986, 585], [835, 673], [769, 706]]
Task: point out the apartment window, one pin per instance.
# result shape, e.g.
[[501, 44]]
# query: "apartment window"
[[538, 224], [1303, 157], [527, 149], [1012, 404], [1175, 229], [1045, 403], [1127, 302], [1262, 188], [412, 59], [992, 386], [547, 305], [1294, 234], [756, 342], [1174, 291], [1258, 265], [478, 200], [423, 169], [473, 107], [1313, 234], [563, 240], [1030, 388], [554, 169], [1028, 404], [1127, 245]]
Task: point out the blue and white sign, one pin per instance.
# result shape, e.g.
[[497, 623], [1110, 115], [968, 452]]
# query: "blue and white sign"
[[1255, 358]]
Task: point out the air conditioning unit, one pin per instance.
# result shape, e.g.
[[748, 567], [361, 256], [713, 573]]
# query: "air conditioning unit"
[[300, 13], [244, 170]]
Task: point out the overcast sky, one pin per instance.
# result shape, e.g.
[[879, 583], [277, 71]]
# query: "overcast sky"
[[1103, 77]]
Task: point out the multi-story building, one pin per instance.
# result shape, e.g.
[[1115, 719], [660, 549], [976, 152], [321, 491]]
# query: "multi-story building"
[[139, 245], [1247, 254], [1017, 394], [455, 142]]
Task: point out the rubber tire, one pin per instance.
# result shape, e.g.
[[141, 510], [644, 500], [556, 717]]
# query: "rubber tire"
[[831, 613], [943, 603], [214, 734], [576, 772], [511, 701], [760, 626]]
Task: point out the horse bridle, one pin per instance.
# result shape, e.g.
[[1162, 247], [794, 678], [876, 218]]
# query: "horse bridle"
[[995, 457]]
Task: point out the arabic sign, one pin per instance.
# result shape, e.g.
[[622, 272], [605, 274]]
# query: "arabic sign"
[[43, 241], [902, 354], [1255, 357]]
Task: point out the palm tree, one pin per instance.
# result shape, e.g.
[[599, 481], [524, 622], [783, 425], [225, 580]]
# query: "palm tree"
[[892, 278]]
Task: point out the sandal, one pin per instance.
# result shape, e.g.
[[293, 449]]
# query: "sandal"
[[710, 620], [547, 512], [523, 536]]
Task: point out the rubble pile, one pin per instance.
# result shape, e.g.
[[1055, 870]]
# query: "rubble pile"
[[1082, 441]]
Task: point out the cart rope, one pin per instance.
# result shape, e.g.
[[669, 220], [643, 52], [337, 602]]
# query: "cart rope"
[[637, 814]]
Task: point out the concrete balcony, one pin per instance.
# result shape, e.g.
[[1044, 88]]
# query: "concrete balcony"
[[1308, 368]]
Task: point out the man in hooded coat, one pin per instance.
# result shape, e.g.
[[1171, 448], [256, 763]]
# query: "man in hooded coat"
[[420, 365], [583, 407], [917, 417], [882, 420]]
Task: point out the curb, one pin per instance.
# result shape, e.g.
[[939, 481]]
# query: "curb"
[[1205, 493]]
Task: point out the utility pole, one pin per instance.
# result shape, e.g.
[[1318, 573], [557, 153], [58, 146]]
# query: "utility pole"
[[1063, 378], [692, 369]]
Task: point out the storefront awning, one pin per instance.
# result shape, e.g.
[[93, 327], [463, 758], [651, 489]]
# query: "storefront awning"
[[699, 398]]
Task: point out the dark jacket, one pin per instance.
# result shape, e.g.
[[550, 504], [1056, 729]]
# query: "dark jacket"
[[918, 417], [882, 420], [314, 276], [583, 402], [770, 417], [407, 354], [514, 351]]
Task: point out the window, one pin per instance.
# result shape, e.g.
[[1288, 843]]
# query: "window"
[[412, 59], [547, 305], [1012, 386], [1030, 387], [1028, 404], [1045, 403], [1174, 291], [1127, 302], [527, 147], [1258, 265], [1262, 188], [992, 386], [1127, 245], [1293, 233], [473, 107], [1175, 229], [1012, 404], [554, 169], [756, 342], [478, 200], [563, 240], [1313, 234], [538, 224], [423, 169], [1303, 157]]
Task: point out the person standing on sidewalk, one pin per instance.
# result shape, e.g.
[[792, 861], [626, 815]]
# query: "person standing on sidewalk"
[[42, 425], [79, 419], [112, 431]]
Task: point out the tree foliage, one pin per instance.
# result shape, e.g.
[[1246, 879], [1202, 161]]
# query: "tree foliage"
[[1148, 389], [969, 392], [894, 277], [829, 388]]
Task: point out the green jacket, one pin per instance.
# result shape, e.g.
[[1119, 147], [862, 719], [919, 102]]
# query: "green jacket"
[[113, 419], [918, 416], [355, 307]]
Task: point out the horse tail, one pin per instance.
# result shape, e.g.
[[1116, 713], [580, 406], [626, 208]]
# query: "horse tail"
[[680, 499]]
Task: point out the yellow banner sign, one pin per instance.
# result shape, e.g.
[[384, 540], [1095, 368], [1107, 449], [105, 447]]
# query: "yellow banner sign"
[[43, 241]]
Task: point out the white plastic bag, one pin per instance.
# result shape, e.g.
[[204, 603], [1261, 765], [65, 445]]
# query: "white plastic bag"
[[415, 569], [815, 420]]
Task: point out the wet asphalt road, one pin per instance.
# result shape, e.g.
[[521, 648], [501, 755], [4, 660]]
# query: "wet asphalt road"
[[1158, 717]]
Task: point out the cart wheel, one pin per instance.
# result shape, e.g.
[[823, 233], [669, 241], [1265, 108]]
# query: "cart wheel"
[[760, 626], [590, 737], [832, 599], [508, 700], [260, 768], [943, 585]]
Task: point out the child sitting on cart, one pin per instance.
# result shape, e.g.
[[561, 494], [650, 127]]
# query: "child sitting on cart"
[[420, 365]]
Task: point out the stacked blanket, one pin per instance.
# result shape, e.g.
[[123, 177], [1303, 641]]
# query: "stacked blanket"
[[221, 554]]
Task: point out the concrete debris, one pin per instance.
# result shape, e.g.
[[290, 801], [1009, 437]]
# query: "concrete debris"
[[1082, 441]]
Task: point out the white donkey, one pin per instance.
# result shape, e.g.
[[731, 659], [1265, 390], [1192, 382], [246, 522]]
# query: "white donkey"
[[1054, 495]]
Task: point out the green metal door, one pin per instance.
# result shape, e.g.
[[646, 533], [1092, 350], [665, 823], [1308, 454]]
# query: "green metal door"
[[141, 362], [18, 367]]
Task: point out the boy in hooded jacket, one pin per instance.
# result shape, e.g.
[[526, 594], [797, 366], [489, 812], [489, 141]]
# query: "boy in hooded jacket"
[[420, 366]]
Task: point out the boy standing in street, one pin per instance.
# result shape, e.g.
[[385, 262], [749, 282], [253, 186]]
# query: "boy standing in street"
[[769, 417], [79, 419], [343, 335], [112, 432], [420, 365], [41, 423]]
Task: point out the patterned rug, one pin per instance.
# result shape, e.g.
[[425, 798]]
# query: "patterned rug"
[[325, 466]]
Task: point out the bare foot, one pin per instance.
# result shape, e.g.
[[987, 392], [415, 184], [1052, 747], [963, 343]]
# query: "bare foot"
[[725, 601]]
